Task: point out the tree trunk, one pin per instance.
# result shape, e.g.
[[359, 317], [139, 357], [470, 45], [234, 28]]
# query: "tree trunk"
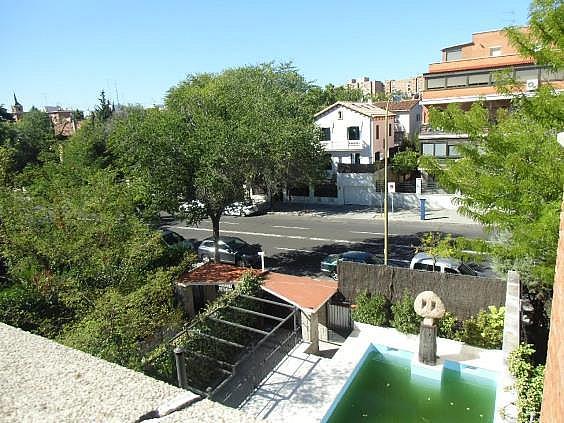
[[215, 222]]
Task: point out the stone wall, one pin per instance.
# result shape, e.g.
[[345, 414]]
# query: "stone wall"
[[462, 295]]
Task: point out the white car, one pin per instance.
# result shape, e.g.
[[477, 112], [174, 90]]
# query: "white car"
[[244, 209], [424, 261]]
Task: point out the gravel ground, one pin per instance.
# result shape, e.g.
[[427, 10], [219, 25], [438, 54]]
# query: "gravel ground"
[[42, 381]]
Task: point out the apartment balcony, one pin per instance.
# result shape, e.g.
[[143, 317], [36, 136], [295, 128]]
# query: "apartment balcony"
[[344, 145], [359, 168]]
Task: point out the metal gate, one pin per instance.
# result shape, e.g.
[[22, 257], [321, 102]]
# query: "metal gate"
[[339, 318]]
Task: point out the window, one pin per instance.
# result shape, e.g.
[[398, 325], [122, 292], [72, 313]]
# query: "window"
[[389, 129], [453, 151], [427, 149], [453, 54], [495, 51], [418, 117], [552, 75], [479, 79], [353, 133], [525, 74], [456, 81], [440, 150], [377, 131], [449, 270], [438, 82], [427, 267], [357, 158], [325, 134], [339, 114]]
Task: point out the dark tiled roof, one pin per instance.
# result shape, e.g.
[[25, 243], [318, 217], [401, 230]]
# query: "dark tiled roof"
[[398, 106]]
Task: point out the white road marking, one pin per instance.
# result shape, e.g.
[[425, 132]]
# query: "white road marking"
[[294, 249], [339, 241], [229, 223], [291, 227], [367, 233]]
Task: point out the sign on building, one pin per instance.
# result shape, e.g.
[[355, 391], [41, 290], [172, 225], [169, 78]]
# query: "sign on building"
[[391, 187]]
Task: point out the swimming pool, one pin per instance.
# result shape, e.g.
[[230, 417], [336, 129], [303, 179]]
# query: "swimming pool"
[[388, 385]]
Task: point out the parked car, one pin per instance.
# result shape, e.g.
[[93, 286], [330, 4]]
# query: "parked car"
[[246, 208], [424, 261], [174, 240], [329, 263], [192, 207], [231, 250]]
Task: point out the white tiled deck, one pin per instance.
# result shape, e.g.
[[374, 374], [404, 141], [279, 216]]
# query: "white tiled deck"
[[304, 386]]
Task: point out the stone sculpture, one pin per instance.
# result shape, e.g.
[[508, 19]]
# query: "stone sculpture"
[[429, 306]]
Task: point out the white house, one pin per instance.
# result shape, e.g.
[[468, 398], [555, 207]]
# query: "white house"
[[353, 133]]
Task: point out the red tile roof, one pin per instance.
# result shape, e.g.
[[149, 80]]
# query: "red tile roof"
[[214, 274], [305, 293]]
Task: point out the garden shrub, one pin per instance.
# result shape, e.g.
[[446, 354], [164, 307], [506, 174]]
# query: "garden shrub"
[[372, 309], [529, 380], [121, 326], [449, 327], [405, 319], [485, 330], [32, 310]]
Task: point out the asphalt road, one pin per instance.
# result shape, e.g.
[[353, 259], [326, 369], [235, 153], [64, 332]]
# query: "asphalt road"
[[296, 244]]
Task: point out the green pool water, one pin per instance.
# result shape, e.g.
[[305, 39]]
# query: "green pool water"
[[384, 390]]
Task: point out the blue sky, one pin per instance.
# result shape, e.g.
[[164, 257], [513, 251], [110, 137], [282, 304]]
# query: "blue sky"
[[65, 52]]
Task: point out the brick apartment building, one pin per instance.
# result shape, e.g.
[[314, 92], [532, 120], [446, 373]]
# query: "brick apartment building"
[[466, 74], [408, 87], [367, 86]]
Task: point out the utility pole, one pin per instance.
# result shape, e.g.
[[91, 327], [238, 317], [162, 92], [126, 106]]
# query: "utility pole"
[[386, 133]]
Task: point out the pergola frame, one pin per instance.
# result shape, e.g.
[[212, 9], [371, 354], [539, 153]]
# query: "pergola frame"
[[180, 353]]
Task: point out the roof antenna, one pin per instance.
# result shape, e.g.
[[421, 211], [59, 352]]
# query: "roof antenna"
[[117, 95]]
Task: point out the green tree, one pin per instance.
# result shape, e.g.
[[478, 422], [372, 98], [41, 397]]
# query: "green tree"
[[511, 171], [319, 98], [30, 141], [103, 110], [405, 162], [219, 134]]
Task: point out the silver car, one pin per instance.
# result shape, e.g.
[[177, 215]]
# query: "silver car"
[[231, 250], [424, 261]]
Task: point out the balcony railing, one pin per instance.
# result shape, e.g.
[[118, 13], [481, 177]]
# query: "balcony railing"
[[359, 168]]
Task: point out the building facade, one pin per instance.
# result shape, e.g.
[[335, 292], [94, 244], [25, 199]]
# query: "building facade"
[[64, 121], [367, 86], [353, 133], [467, 73], [408, 118], [409, 87]]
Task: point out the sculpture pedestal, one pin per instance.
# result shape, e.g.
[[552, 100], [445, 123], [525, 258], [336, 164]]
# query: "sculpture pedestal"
[[428, 344]]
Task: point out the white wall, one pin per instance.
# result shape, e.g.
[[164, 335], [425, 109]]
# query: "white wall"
[[339, 146]]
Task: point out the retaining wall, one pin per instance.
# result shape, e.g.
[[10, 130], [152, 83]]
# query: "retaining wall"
[[462, 295]]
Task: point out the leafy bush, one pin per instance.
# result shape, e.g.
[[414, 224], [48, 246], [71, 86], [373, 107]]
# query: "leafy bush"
[[485, 330], [121, 327], [373, 310], [450, 327], [32, 310], [405, 319], [529, 380]]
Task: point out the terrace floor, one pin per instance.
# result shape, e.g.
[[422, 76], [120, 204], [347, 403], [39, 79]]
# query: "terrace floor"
[[303, 387]]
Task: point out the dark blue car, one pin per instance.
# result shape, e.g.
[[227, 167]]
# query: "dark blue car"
[[329, 263]]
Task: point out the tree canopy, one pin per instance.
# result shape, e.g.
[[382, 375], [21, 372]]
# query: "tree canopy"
[[218, 135], [511, 171]]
